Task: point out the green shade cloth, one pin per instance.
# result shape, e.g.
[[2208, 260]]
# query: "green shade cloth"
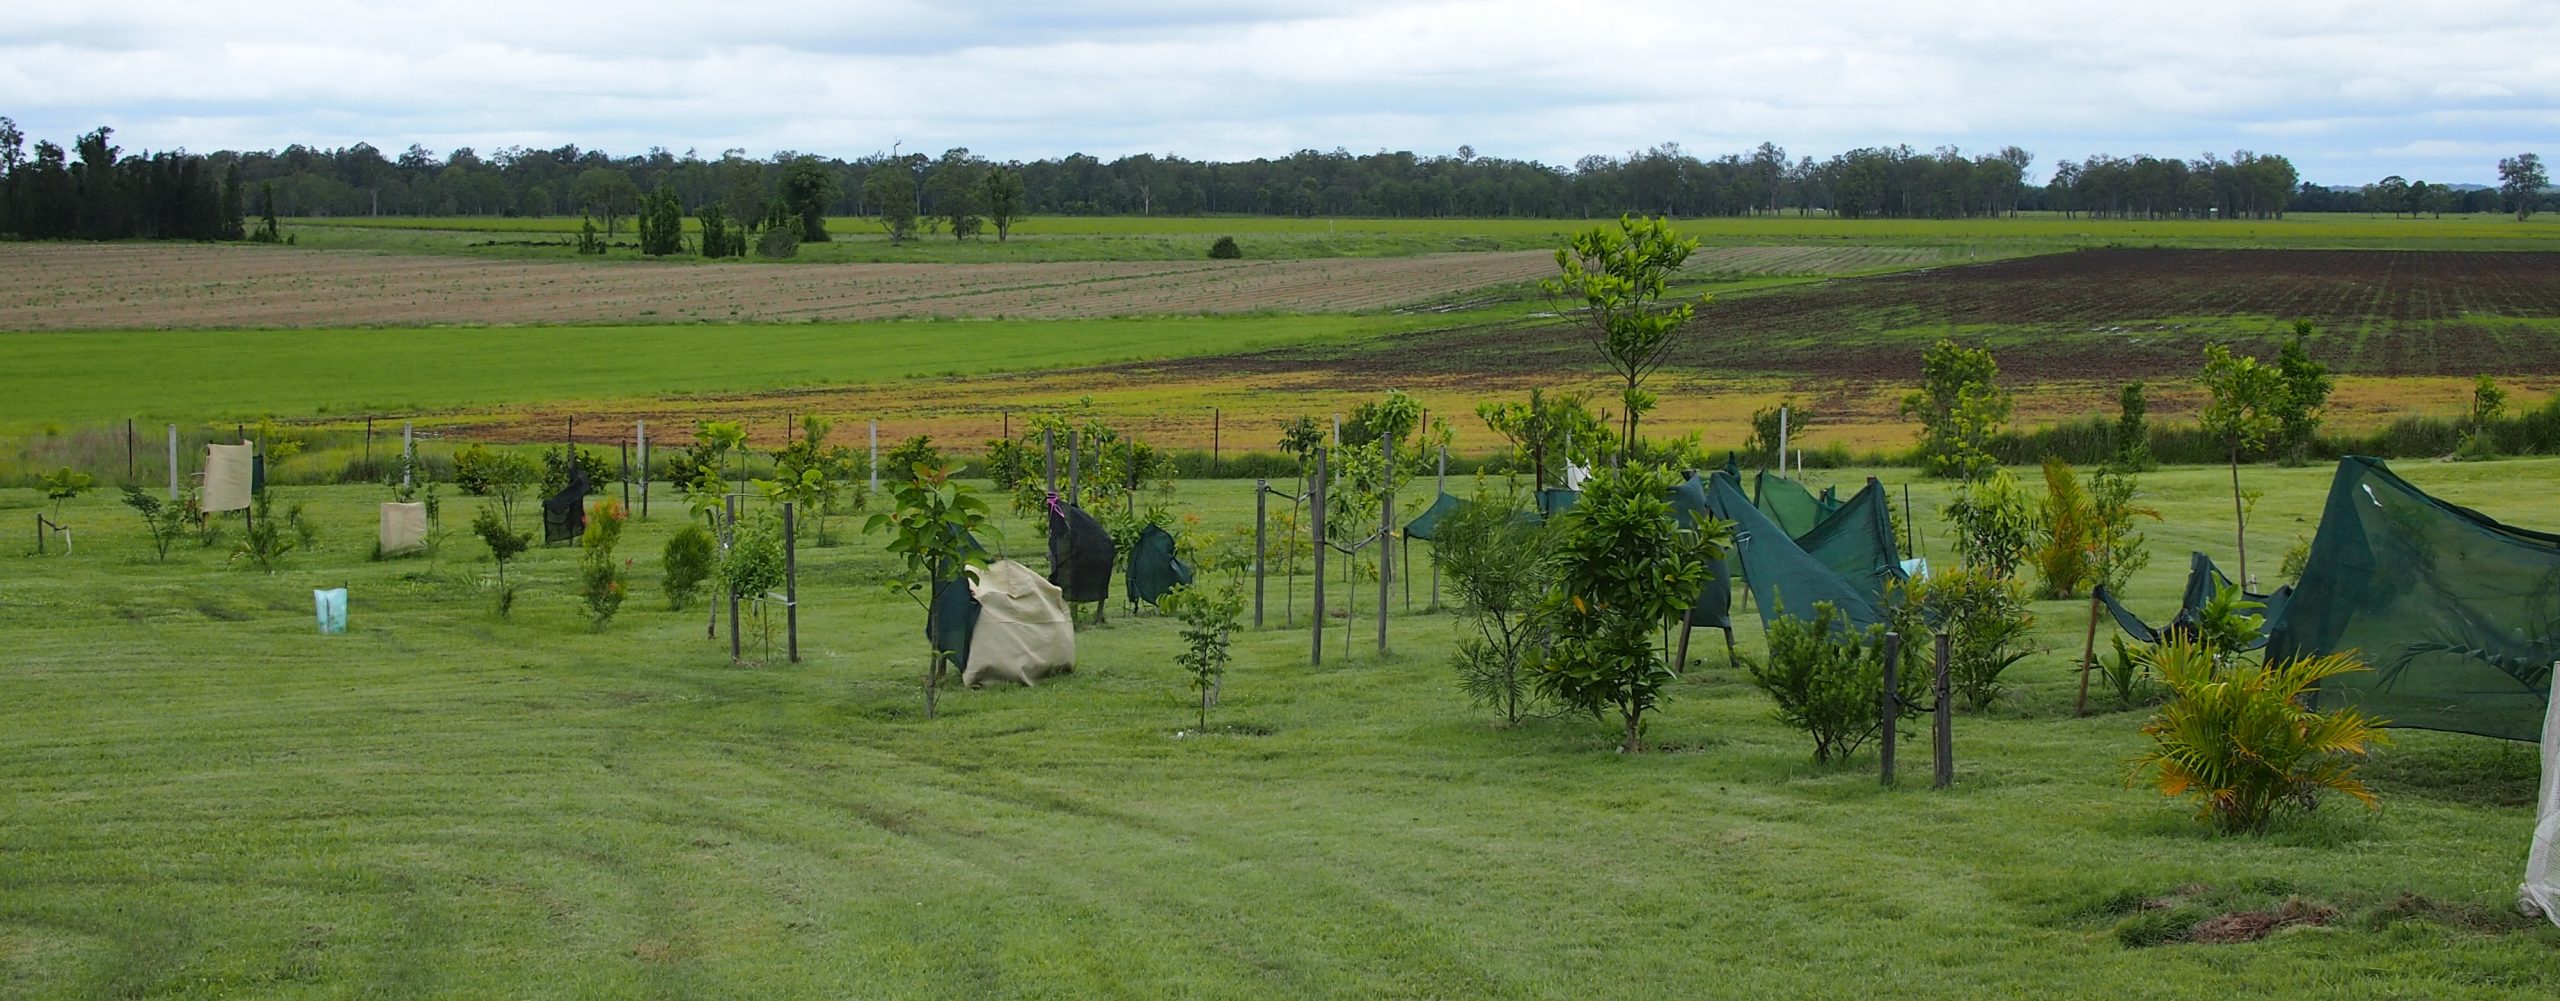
[[1785, 580], [1554, 501], [1153, 567], [1714, 609], [2203, 580], [1856, 541], [2458, 615], [1786, 503], [1425, 525]]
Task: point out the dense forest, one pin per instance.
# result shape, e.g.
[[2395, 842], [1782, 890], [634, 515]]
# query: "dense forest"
[[94, 190]]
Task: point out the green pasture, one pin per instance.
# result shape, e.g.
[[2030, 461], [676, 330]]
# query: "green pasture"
[[72, 377], [1075, 238], [204, 799]]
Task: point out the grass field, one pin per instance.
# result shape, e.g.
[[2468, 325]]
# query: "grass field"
[[203, 799]]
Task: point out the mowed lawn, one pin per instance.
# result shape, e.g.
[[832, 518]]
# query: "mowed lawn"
[[201, 798]]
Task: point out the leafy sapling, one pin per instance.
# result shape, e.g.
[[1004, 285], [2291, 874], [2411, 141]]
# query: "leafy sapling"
[[1210, 616]]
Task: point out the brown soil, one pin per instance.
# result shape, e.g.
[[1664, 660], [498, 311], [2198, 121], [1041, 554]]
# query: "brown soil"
[[149, 286]]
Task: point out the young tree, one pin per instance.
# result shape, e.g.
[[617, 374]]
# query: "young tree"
[[935, 539], [2306, 393], [892, 197], [1625, 571], [2521, 179], [1620, 278], [2133, 429], [2241, 415], [163, 520], [1960, 405], [1543, 430], [806, 190], [1003, 198], [1499, 569]]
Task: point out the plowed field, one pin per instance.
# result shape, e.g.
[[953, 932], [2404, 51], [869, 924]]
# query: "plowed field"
[[2089, 315], [80, 286]]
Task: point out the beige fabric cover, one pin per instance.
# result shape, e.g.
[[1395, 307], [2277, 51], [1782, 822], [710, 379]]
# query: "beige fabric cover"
[[226, 477], [1023, 631], [404, 527]]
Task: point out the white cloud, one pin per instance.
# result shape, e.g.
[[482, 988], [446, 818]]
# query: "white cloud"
[[2382, 92]]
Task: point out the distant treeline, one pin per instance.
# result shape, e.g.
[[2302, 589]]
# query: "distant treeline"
[[96, 191]]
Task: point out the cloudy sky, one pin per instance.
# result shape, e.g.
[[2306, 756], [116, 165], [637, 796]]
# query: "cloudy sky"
[[2350, 90]]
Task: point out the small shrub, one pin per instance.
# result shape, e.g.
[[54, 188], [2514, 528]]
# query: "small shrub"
[[1225, 250], [1625, 572], [2238, 739], [164, 521], [1828, 680], [916, 452], [1986, 621], [505, 544], [1209, 617], [555, 470], [599, 578], [265, 541], [2066, 533], [778, 243], [753, 566], [1498, 565], [687, 563], [1992, 524]]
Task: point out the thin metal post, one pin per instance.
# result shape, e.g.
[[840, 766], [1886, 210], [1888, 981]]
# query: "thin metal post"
[[791, 581], [875, 455], [1386, 527], [1261, 503], [1441, 486], [131, 450], [735, 653], [1943, 728], [173, 462], [1890, 709], [640, 446], [1316, 488], [408, 451]]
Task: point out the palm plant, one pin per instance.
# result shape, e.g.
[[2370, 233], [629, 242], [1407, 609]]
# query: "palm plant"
[[2238, 738]]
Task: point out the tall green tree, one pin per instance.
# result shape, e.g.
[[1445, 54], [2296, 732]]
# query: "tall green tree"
[[807, 188], [891, 193], [1620, 277], [2241, 415], [605, 192], [1003, 194], [661, 223], [1960, 406], [957, 187], [2521, 179]]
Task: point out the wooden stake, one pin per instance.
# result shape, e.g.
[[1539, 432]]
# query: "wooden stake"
[[1943, 728], [1889, 709]]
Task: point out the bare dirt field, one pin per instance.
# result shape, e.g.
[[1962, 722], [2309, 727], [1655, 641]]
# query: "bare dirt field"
[[150, 286], [154, 286]]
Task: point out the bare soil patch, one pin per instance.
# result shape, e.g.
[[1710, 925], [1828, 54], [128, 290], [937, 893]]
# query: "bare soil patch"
[[149, 286]]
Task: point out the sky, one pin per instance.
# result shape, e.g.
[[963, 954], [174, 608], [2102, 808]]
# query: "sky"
[[2350, 90]]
